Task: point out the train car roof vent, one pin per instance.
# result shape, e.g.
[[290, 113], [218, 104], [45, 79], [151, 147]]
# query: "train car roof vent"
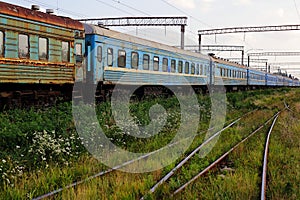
[[35, 7], [49, 11], [101, 24]]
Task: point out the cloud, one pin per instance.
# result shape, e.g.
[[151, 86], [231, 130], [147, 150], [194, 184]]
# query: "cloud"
[[188, 4], [242, 2], [280, 12], [206, 5]]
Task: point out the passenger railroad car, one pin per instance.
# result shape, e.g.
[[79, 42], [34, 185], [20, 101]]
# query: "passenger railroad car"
[[256, 78], [229, 74], [113, 55], [39, 49]]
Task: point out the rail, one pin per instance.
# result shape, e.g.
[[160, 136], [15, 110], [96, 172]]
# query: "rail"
[[264, 173], [128, 163], [166, 177], [223, 156]]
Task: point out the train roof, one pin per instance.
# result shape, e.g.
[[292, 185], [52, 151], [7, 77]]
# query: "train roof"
[[226, 62], [93, 29], [25, 13]]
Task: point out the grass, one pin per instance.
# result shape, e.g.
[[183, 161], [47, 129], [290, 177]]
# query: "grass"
[[26, 174], [284, 173]]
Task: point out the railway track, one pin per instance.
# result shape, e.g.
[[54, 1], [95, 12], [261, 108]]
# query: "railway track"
[[264, 172], [185, 160], [102, 173], [221, 158], [178, 166], [211, 166]]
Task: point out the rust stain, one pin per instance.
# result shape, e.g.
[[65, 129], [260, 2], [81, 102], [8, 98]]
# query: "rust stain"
[[18, 11], [34, 62]]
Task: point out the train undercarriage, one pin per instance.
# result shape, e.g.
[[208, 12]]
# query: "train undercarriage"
[[27, 95]]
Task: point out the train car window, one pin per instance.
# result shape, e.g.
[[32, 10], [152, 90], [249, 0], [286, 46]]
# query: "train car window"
[[221, 71], [146, 61], [121, 58], [43, 48], [65, 50], [180, 66], [110, 57], [23, 46], [99, 53], [201, 69], [187, 68], [134, 60], [165, 65], [78, 49], [197, 69], [1, 43], [173, 66], [193, 68], [155, 63]]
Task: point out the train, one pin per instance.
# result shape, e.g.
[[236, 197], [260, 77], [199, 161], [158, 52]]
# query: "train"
[[43, 55]]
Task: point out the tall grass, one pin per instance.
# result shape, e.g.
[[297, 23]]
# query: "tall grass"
[[40, 151]]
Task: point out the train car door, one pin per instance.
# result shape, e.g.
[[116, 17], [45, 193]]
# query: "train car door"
[[89, 61], [99, 62], [211, 72], [80, 69]]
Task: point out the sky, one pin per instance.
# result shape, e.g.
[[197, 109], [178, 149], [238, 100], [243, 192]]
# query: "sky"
[[202, 14]]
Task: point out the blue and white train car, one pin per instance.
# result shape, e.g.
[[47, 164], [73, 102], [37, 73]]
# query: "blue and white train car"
[[296, 82], [285, 81], [230, 73], [118, 58], [271, 79], [280, 80], [256, 78], [290, 82]]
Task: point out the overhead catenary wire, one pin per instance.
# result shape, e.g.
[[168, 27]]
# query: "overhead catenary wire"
[[114, 7], [196, 19], [57, 8], [296, 7], [126, 5]]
